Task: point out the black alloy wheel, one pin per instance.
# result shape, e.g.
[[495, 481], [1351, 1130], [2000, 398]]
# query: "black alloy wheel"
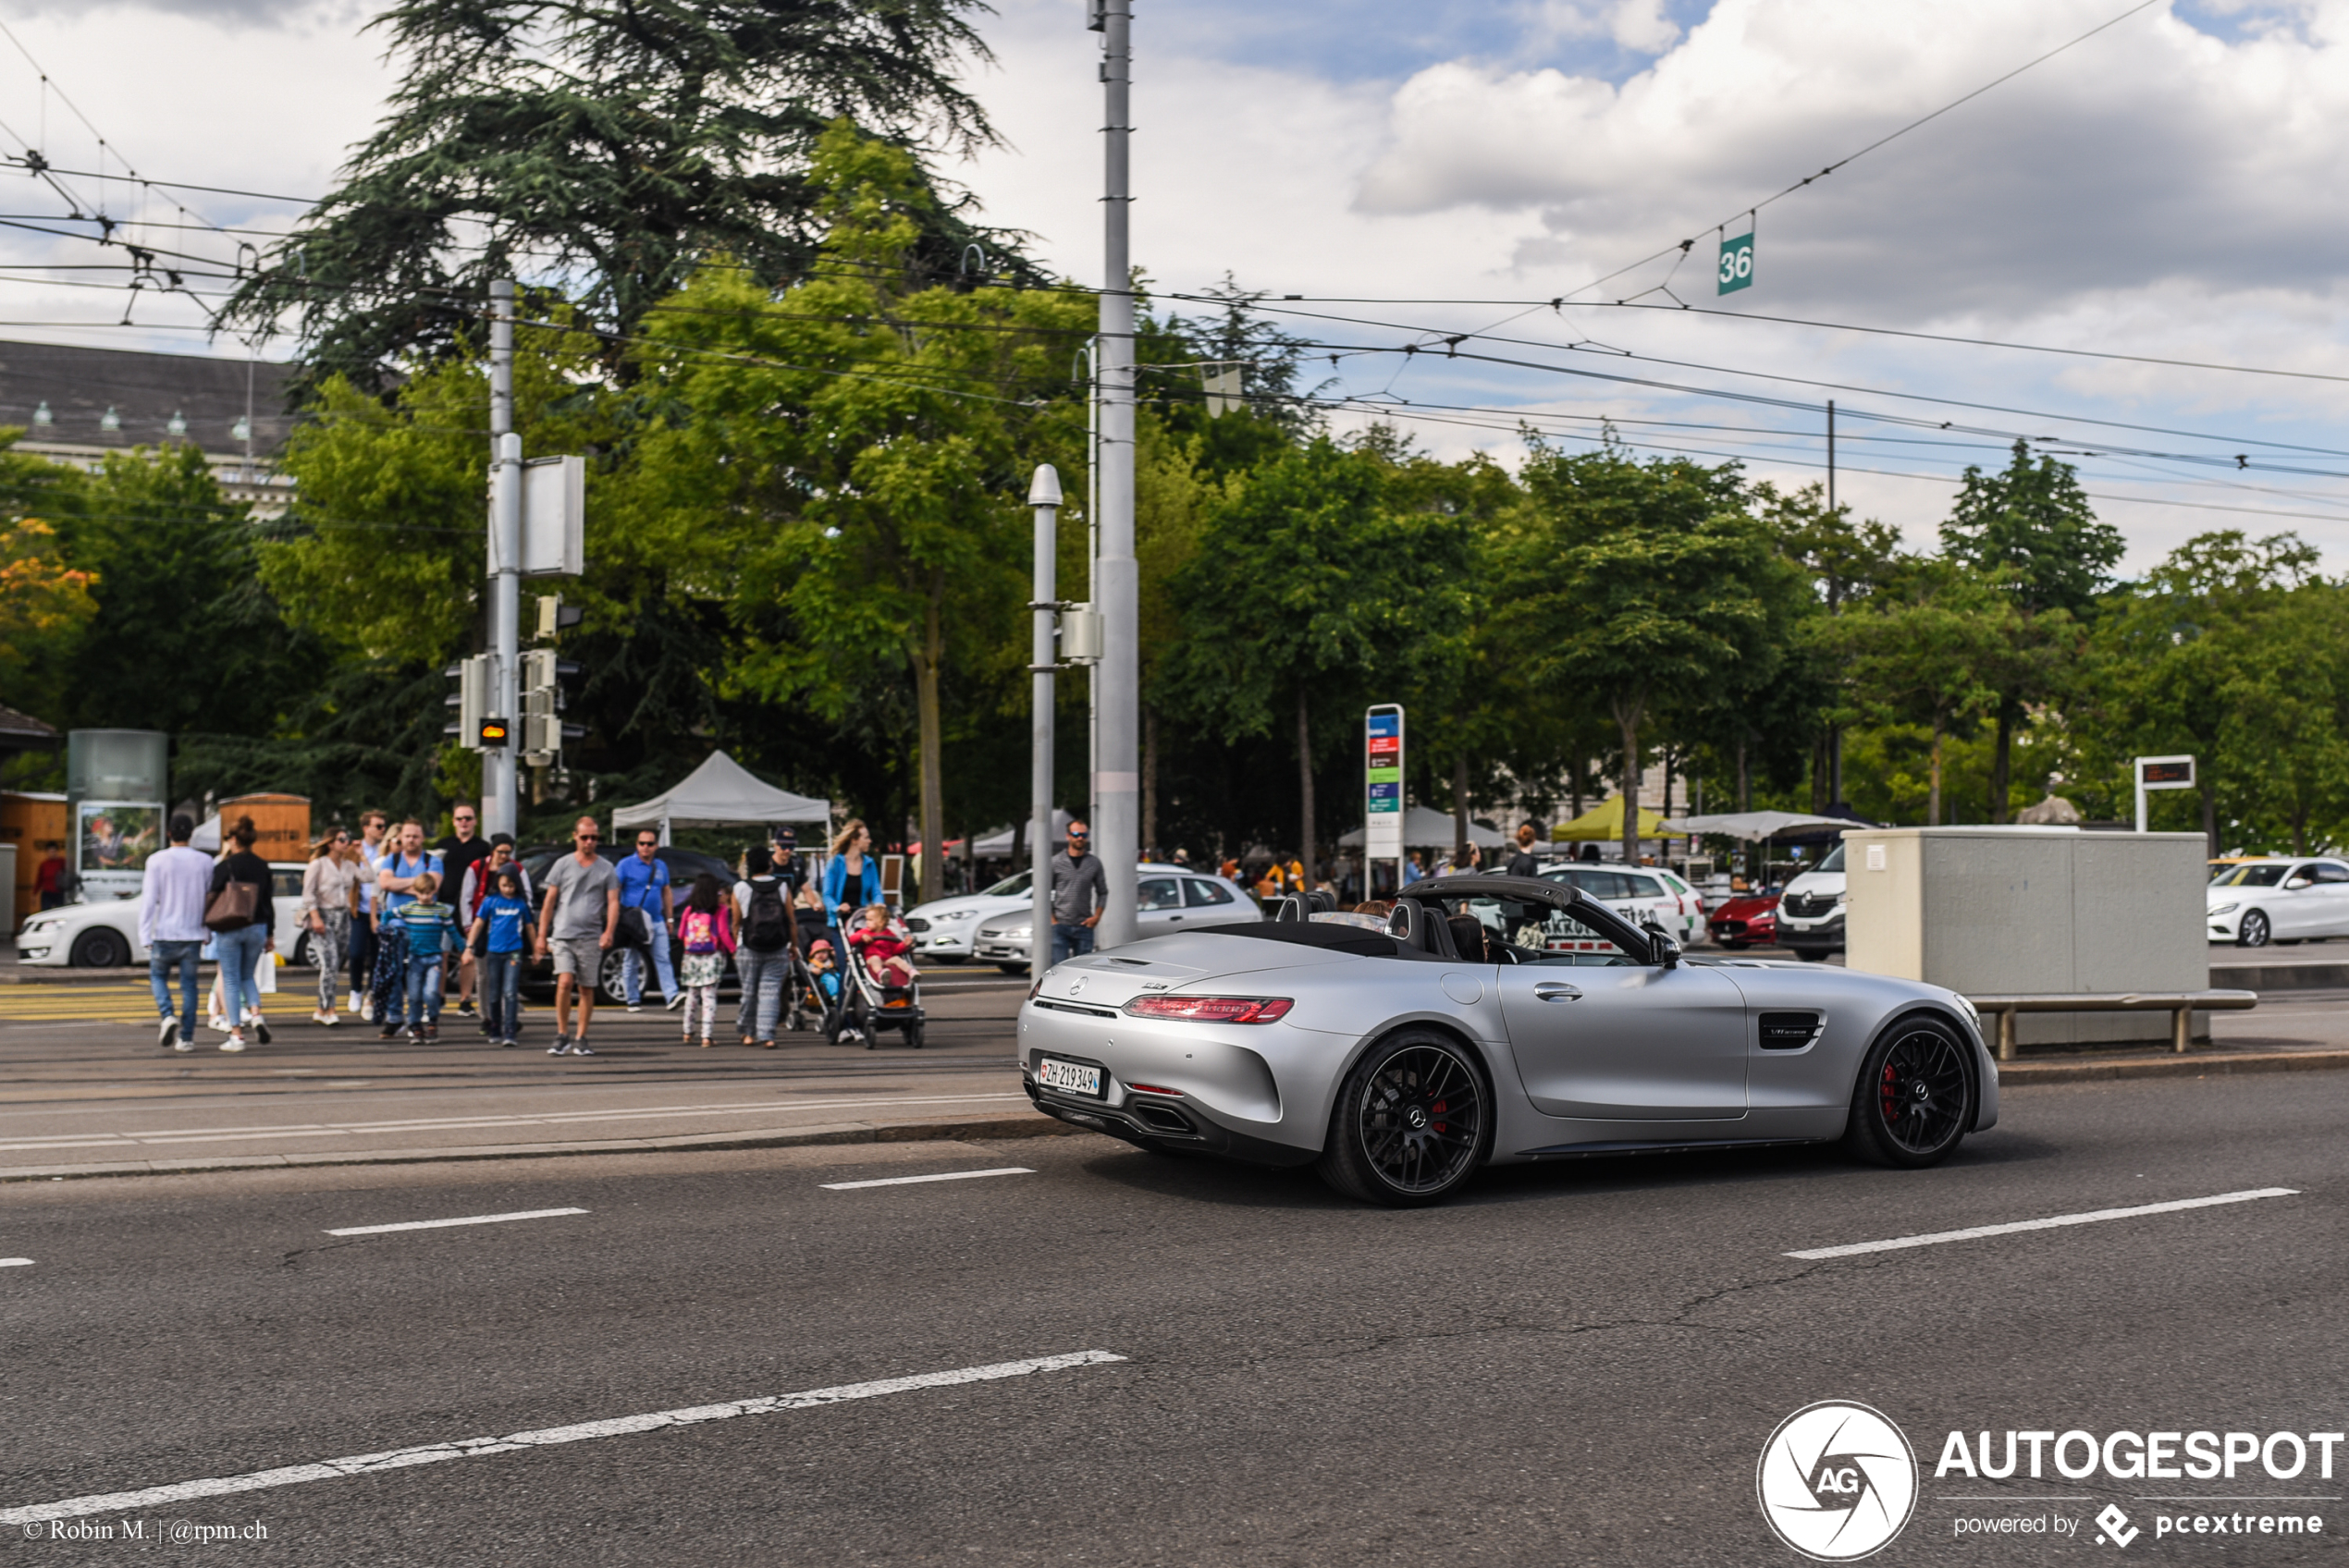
[[1413, 1122], [1914, 1100], [100, 947], [2255, 931]]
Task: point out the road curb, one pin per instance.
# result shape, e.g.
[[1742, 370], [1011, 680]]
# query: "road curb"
[[2023, 1074], [1025, 1124]]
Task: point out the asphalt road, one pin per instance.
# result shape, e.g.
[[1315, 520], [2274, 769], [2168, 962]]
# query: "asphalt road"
[[1575, 1365]]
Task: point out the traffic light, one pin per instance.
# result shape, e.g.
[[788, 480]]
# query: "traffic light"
[[543, 729], [471, 698]]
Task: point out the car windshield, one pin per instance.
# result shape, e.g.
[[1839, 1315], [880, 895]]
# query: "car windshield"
[[1834, 860], [1010, 887], [2258, 874]]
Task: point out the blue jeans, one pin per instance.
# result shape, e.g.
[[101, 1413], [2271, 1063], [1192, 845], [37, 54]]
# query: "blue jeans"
[[500, 993], [631, 964], [164, 957], [763, 977], [240, 954], [423, 989], [1071, 941]]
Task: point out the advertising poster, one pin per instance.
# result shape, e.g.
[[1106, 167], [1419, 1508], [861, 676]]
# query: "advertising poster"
[[113, 836]]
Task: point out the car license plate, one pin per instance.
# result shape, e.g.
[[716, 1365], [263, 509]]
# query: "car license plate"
[[1069, 1077]]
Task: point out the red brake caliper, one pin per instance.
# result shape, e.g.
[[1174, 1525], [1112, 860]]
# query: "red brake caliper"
[[1435, 1113], [1890, 1092]]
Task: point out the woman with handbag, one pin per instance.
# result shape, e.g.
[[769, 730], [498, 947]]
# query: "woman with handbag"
[[244, 926]]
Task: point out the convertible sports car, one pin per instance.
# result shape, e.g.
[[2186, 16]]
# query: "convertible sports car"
[[1496, 1019]]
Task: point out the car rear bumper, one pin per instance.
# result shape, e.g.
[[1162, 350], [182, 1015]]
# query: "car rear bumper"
[[1154, 1121]]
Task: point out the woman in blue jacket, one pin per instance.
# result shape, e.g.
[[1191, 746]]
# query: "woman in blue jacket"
[[851, 880]]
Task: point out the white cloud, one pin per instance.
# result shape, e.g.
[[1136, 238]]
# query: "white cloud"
[[1637, 25]]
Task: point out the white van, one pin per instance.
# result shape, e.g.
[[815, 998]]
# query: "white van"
[[1811, 911]]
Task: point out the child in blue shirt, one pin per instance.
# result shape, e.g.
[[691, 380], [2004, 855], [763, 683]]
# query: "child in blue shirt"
[[502, 935], [430, 925]]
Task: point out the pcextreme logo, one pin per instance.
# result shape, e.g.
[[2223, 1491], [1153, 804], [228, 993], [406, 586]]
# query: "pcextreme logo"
[[1836, 1481]]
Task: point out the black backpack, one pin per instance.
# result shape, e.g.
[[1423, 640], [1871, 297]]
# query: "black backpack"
[[767, 927]]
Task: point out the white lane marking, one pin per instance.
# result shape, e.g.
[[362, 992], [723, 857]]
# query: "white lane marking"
[[451, 1124], [15, 1263], [941, 1176], [443, 1224], [2052, 1222], [475, 1448]]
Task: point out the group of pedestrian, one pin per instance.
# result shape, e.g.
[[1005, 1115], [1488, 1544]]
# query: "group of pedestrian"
[[189, 902]]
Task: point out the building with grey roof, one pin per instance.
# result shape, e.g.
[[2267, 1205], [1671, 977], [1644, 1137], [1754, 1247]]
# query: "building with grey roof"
[[76, 405]]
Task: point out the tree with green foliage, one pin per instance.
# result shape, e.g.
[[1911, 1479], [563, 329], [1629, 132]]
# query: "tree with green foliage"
[[1309, 587], [845, 466], [604, 151], [2031, 527], [1627, 582]]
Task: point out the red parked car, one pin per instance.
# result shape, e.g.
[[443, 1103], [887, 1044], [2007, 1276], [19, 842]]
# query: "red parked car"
[[1746, 920]]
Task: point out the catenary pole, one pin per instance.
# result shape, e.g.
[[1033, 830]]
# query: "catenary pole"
[[1044, 495], [499, 767], [1117, 778]]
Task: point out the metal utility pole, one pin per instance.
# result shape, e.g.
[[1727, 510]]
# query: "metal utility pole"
[[1044, 495], [1116, 589], [499, 807], [1830, 454]]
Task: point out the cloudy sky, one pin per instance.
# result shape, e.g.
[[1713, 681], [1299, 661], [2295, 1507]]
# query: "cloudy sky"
[[2169, 189]]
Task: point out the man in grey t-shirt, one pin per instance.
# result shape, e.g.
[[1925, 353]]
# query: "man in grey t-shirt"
[[577, 921]]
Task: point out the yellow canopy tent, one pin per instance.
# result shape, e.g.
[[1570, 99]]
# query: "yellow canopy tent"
[[1603, 824]]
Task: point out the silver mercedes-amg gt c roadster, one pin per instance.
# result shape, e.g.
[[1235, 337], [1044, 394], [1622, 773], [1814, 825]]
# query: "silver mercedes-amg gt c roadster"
[[1492, 1019]]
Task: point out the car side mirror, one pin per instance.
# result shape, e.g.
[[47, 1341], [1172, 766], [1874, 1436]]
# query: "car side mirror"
[[1663, 949], [2295, 884]]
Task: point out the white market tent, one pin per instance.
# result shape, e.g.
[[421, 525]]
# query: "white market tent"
[[721, 793], [1754, 824], [1427, 828]]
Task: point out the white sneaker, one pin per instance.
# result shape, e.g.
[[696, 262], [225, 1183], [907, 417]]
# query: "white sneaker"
[[166, 1027], [674, 1003], [366, 1009], [185, 1048], [217, 1023], [635, 1007], [235, 1042], [327, 1019], [354, 1005]]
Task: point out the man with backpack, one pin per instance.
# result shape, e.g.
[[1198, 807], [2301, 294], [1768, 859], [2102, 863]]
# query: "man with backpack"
[[762, 959]]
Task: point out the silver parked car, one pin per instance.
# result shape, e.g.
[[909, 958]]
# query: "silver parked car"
[[1496, 1020], [1168, 897]]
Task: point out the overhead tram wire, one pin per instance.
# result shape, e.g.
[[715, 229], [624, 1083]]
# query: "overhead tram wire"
[[1681, 246]]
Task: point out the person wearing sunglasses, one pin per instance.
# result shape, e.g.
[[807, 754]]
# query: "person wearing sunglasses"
[[1080, 892], [578, 920]]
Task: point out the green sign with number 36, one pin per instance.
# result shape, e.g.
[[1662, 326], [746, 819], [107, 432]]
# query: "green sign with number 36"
[[1737, 264]]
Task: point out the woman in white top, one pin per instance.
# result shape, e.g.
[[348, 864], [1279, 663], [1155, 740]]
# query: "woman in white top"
[[329, 899]]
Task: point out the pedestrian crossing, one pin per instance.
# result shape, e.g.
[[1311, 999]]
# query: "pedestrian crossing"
[[67, 1004]]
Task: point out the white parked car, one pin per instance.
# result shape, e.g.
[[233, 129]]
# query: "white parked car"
[[1170, 898], [104, 934], [1811, 910], [946, 930], [1643, 895], [2254, 903]]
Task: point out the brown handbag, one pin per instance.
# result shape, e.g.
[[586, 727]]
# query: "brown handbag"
[[232, 907]]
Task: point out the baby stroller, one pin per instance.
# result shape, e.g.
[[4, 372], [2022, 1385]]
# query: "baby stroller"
[[874, 1007], [804, 1007]]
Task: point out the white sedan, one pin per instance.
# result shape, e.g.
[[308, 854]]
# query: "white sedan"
[[2254, 903], [946, 930], [1168, 897], [104, 933]]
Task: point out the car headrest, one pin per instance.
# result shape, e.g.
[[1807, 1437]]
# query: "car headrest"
[[1468, 938]]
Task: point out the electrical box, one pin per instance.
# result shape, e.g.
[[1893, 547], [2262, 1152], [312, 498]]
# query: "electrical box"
[[554, 517], [1080, 635]]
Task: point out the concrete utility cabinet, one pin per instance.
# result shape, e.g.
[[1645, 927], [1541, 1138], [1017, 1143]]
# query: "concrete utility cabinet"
[[2034, 910]]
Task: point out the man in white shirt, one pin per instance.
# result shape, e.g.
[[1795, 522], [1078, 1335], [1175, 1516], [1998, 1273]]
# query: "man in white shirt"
[[171, 905]]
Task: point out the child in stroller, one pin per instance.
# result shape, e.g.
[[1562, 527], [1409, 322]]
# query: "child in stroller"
[[885, 948], [883, 979]]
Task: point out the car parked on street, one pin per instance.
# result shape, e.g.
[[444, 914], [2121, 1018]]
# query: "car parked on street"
[[2279, 900], [946, 930], [104, 933], [1746, 920], [1170, 898], [1809, 912], [1643, 895]]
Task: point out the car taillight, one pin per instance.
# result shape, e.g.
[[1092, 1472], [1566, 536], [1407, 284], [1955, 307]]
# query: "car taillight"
[[1212, 1010]]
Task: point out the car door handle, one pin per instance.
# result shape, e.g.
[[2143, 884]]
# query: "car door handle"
[[1173, 919], [1556, 991]]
